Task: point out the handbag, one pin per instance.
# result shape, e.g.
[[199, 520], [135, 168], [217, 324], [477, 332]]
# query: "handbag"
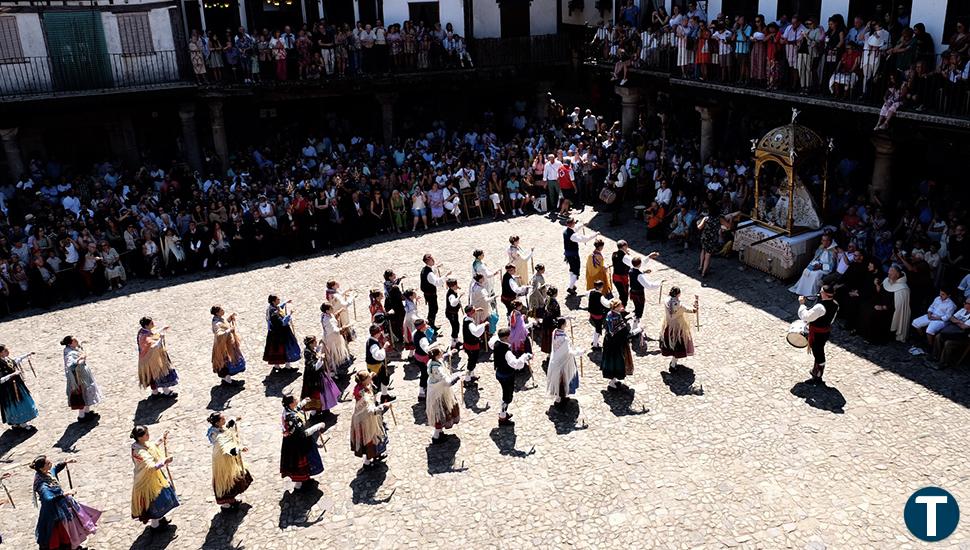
[[607, 195]]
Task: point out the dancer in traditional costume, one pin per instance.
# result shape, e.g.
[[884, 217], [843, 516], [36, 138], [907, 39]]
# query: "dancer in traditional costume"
[[622, 262], [375, 352], [63, 522], [342, 303], [318, 385], [152, 494], [230, 478], [368, 434], [617, 360], [281, 345], [430, 283], [571, 241], [562, 377], [551, 312], [299, 457], [472, 341], [376, 305], [442, 406], [227, 356], [421, 347], [480, 298], [394, 307], [819, 318], [155, 368], [82, 391], [506, 363], [335, 345], [410, 315], [520, 259], [17, 406], [479, 267], [536, 300], [597, 306], [675, 338], [596, 269], [488, 311], [639, 284], [519, 329], [452, 308], [511, 289]]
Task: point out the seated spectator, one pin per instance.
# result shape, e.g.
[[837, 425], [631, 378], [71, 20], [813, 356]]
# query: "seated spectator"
[[956, 329], [846, 77], [934, 320], [896, 93]]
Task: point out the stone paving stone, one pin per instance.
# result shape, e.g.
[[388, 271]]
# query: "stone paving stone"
[[756, 460]]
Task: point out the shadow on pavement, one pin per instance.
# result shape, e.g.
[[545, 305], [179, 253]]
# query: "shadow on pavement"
[[820, 396]]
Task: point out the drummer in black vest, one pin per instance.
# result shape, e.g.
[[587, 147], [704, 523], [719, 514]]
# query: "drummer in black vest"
[[375, 352], [506, 363], [819, 318], [570, 243], [430, 282], [471, 342], [452, 307], [597, 306], [622, 262], [421, 347], [638, 284], [511, 289]]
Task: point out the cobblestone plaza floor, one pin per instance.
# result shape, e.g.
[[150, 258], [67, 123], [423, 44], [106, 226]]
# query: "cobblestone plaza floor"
[[757, 459]]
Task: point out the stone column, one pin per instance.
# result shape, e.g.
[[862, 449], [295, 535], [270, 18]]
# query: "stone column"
[[190, 135], [15, 162], [387, 116], [630, 99], [123, 139], [707, 131], [882, 166], [219, 141]]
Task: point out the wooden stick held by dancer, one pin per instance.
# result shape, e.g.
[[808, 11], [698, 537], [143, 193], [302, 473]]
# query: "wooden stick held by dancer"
[[168, 471], [697, 312]]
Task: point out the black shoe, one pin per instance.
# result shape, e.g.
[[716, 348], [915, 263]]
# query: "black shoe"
[[388, 398], [438, 440], [422, 397], [470, 384], [505, 422]]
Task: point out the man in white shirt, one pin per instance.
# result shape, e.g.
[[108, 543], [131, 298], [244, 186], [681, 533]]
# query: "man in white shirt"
[[589, 121], [472, 343], [550, 173], [71, 203], [937, 316], [664, 195]]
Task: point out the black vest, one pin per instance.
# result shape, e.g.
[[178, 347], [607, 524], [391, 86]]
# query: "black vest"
[[451, 311], [502, 367], [507, 292], [635, 285], [416, 339], [595, 306], [469, 341], [831, 308], [620, 268], [570, 247], [427, 287], [368, 356]]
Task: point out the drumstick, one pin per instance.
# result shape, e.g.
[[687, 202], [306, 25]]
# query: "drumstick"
[[393, 417], [70, 482], [9, 497], [660, 295], [697, 313]]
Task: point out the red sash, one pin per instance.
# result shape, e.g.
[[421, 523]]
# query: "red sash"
[[813, 330], [472, 346], [625, 279]]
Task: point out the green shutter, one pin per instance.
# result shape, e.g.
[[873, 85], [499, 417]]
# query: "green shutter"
[[77, 50]]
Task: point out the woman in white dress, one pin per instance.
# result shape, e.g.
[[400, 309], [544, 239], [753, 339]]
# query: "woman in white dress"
[[520, 259], [338, 356], [562, 378], [441, 403], [410, 314], [82, 390], [342, 302]]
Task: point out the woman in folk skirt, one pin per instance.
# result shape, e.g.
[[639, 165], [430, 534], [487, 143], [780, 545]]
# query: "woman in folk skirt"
[[675, 338], [617, 360]]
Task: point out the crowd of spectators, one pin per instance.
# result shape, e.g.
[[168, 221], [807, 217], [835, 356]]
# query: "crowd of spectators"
[[881, 58], [323, 50], [65, 234]]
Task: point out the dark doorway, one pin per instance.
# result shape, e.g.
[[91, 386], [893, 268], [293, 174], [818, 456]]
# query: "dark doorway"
[[369, 11], [734, 8], [77, 50], [426, 12], [222, 16], [338, 12], [514, 18], [801, 8]]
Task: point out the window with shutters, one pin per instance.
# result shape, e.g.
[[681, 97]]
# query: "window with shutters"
[[10, 47], [136, 34]]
